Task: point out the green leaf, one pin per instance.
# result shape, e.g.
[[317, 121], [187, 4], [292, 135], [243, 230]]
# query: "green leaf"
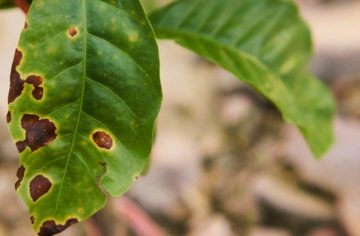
[[264, 43], [84, 96]]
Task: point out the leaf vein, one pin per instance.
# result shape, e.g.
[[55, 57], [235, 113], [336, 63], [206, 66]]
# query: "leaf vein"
[[125, 54], [116, 95], [84, 9]]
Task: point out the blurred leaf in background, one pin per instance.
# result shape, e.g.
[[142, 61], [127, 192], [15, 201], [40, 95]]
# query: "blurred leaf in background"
[[264, 43]]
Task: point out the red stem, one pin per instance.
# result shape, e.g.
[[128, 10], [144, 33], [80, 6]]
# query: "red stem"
[[91, 228], [136, 218], [23, 5]]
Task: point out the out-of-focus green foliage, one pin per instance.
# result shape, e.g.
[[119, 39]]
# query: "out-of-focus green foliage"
[[264, 43]]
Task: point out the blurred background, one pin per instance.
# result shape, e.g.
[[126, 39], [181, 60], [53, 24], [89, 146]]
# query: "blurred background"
[[224, 162]]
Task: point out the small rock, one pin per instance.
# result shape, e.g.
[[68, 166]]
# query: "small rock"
[[234, 109], [349, 213], [289, 198], [213, 226], [338, 171], [269, 232], [323, 231]]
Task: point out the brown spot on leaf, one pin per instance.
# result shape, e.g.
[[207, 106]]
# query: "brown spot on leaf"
[[28, 120], [38, 93], [36, 81], [32, 219], [21, 146], [72, 32], [103, 140], [39, 186], [20, 174], [16, 84], [8, 117], [38, 132], [50, 228], [133, 37]]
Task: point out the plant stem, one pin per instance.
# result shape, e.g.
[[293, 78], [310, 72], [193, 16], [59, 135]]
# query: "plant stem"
[[23, 5], [136, 218], [91, 228]]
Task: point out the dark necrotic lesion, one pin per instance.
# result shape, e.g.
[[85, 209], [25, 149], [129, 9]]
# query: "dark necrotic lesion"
[[39, 186], [8, 117], [72, 32], [16, 83], [20, 175], [50, 227], [103, 140], [39, 132], [36, 81]]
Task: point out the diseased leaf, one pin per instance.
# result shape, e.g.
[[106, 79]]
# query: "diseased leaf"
[[84, 96], [264, 43]]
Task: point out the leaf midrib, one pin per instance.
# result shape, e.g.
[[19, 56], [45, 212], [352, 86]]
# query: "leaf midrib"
[[84, 9]]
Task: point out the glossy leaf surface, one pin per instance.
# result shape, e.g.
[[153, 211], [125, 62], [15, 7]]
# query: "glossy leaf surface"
[[84, 96], [264, 43]]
